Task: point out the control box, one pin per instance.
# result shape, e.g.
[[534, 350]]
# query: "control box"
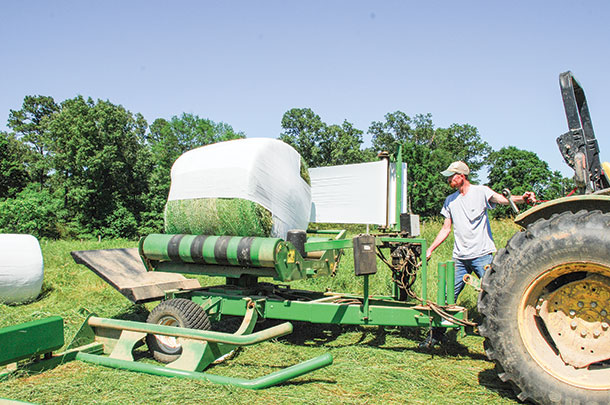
[[409, 223], [365, 258]]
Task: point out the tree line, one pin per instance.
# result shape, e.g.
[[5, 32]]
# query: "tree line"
[[86, 169]]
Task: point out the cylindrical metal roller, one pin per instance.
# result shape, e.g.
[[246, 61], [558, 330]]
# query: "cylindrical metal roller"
[[206, 249]]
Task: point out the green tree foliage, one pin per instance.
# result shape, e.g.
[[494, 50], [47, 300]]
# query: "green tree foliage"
[[30, 125], [97, 168], [304, 130], [96, 149], [520, 171], [320, 144], [32, 212], [398, 128], [13, 171], [465, 144], [88, 168], [427, 187]]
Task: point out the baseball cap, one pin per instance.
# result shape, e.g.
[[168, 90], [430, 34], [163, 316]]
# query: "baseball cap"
[[456, 167]]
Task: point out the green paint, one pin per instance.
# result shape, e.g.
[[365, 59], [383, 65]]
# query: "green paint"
[[184, 250], [255, 384], [31, 339], [441, 291], [450, 284], [232, 251], [380, 311], [254, 251], [208, 249]]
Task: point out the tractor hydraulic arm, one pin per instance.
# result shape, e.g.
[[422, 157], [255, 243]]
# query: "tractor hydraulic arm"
[[578, 146]]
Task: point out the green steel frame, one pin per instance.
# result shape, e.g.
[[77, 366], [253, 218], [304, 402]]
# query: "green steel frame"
[[118, 338], [284, 303]]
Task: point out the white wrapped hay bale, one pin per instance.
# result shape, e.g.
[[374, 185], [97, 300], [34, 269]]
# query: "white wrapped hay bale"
[[21, 268], [244, 187]]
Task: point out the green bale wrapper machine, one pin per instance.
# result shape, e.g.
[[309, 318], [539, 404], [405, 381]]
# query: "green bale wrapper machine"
[[178, 332]]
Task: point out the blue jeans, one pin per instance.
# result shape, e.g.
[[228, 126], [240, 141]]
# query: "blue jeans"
[[467, 266]]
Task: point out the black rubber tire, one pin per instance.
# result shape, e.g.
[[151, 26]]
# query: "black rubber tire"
[[530, 256], [177, 312]]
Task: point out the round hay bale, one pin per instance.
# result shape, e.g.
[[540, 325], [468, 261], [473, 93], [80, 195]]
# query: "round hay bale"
[[21, 268], [244, 187]]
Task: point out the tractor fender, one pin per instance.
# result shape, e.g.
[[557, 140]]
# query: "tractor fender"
[[589, 202]]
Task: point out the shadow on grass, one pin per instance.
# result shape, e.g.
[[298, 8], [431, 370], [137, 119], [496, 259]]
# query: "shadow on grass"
[[489, 379], [306, 382], [137, 313], [308, 334]]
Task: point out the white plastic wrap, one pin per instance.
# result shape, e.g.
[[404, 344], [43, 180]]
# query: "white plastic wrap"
[[392, 196], [265, 171], [355, 194], [21, 268]]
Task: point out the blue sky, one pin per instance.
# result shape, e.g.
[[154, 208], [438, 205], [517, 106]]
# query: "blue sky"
[[494, 65]]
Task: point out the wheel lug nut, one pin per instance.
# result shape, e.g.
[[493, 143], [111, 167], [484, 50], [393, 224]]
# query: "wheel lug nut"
[[573, 325], [580, 304], [572, 313], [604, 326], [596, 334], [603, 312], [593, 304], [583, 333]]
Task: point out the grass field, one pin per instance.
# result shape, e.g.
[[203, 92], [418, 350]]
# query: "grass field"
[[371, 364]]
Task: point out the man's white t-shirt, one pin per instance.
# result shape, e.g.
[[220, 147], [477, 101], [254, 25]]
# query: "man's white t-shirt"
[[471, 229]]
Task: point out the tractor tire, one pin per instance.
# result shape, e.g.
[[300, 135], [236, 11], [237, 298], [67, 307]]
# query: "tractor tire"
[[545, 304], [174, 312]]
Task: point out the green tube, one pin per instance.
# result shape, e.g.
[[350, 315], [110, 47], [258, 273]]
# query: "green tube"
[[210, 336], [255, 384], [450, 283], [211, 249], [442, 284]]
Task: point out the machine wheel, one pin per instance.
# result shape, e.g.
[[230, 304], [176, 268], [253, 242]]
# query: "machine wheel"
[[545, 306], [175, 312]]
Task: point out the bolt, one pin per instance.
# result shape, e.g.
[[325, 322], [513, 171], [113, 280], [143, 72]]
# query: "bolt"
[[583, 333], [596, 334], [593, 304], [580, 304], [572, 313], [573, 325], [604, 326], [603, 312]]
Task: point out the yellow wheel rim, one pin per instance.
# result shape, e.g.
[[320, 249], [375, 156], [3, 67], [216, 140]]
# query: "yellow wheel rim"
[[563, 320]]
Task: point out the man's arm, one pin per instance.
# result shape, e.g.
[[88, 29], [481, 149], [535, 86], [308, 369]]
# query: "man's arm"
[[527, 197], [440, 238]]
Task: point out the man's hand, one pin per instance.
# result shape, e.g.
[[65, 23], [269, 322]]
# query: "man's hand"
[[529, 197]]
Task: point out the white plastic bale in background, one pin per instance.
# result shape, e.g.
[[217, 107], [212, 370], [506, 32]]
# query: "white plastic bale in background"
[[21, 268], [355, 194], [265, 171]]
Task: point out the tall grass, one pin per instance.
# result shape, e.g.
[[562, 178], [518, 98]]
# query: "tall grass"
[[372, 364]]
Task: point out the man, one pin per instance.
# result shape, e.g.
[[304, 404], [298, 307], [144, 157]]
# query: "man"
[[466, 211]]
